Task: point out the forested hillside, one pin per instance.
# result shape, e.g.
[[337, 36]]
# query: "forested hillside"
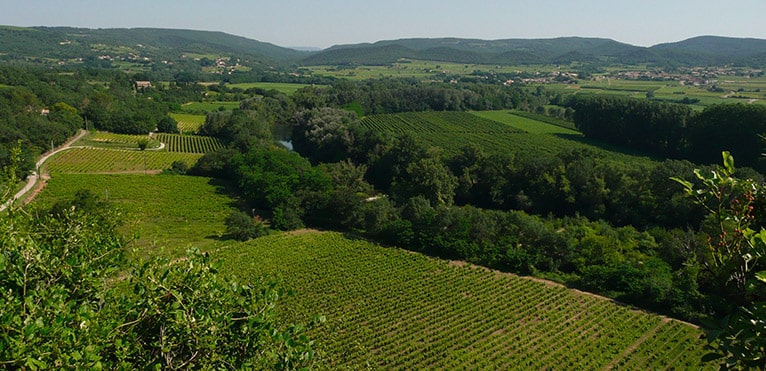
[[565, 50]]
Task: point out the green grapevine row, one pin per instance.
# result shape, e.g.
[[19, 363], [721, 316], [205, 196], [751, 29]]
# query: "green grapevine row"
[[399, 310], [453, 130], [189, 143], [107, 137], [101, 160]]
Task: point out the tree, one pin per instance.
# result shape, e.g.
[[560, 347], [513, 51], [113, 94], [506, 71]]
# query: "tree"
[[242, 227], [167, 125], [143, 143], [732, 258]]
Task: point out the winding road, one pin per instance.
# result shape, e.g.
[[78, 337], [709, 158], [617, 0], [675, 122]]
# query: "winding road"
[[33, 178]]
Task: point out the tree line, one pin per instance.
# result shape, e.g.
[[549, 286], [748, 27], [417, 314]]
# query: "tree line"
[[675, 131]]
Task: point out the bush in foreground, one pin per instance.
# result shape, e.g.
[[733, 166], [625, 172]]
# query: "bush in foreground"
[[65, 302]]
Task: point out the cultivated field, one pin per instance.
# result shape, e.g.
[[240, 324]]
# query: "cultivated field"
[[101, 160], [424, 70], [188, 123], [393, 309], [189, 143], [286, 88], [509, 134], [103, 139], [390, 308], [528, 125], [200, 107]]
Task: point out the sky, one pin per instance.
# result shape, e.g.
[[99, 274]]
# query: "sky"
[[315, 23]]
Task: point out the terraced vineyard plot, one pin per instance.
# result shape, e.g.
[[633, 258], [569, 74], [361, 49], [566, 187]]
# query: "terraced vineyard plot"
[[393, 309], [189, 143], [101, 160]]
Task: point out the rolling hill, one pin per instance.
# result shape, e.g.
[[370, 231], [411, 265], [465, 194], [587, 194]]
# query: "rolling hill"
[[704, 50], [52, 45], [142, 44]]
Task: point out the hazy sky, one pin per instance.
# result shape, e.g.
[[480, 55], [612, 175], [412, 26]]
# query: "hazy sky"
[[328, 22]]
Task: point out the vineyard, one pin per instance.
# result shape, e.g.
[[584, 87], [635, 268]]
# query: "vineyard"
[[103, 139], [526, 122], [453, 130], [189, 143], [101, 160], [392, 309], [188, 123]]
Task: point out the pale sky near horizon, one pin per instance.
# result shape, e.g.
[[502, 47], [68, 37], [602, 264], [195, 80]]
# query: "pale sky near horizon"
[[293, 23]]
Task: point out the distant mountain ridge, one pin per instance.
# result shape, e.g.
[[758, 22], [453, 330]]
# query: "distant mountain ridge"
[[153, 43], [703, 50], [156, 44]]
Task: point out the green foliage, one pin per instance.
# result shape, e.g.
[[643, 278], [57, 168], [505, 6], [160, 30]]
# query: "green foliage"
[[185, 315], [734, 247], [67, 305], [167, 125], [733, 253], [243, 227], [177, 167], [143, 143]]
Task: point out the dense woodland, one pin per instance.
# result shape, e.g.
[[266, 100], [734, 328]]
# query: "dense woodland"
[[619, 229]]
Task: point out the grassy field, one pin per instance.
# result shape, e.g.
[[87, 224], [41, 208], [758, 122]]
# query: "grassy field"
[[393, 309], [285, 88], [167, 213], [188, 123]]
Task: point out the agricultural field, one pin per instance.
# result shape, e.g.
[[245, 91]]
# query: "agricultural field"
[[103, 139], [165, 213], [423, 70], [285, 88], [453, 130], [189, 143], [188, 123], [200, 107], [387, 307], [393, 309], [525, 124], [734, 90], [101, 160]]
